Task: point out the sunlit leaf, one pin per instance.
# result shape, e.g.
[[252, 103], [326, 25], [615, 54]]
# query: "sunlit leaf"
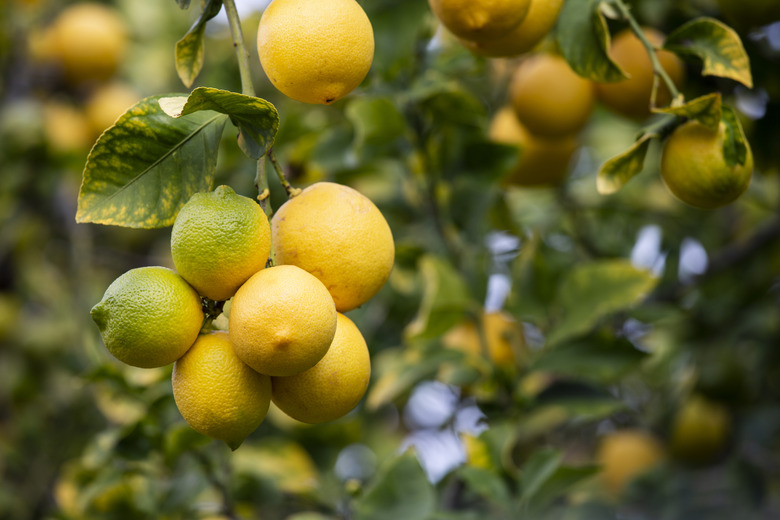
[[618, 170], [400, 490], [146, 166], [717, 45], [735, 147], [256, 118], [584, 40], [704, 109], [190, 49], [281, 461]]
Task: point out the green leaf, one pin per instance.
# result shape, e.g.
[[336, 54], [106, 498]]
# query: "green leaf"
[[584, 41], [537, 470], [559, 483], [401, 490], [717, 45], [704, 109], [618, 170], [735, 147], [190, 49], [594, 290], [377, 123], [146, 166], [256, 118], [487, 484], [445, 299]]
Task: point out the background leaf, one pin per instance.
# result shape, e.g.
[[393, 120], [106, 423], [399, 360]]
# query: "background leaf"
[[618, 170], [146, 166], [190, 49], [400, 490]]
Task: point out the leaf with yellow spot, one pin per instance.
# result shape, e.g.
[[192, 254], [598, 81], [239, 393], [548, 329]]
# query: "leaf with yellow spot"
[[735, 148], [618, 170], [146, 166], [190, 49], [716, 44], [705, 109]]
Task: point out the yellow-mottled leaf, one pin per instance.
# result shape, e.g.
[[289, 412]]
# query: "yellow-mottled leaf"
[[705, 109], [146, 166], [717, 45], [735, 146], [190, 49], [618, 170]]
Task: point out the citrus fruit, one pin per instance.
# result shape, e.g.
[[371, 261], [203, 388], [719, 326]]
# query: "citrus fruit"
[[315, 52], [541, 161], [149, 317], [220, 239], [89, 41], [549, 98], [339, 236], [624, 455], [700, 430], [282, 321], [503, 335], [332, 387], [695, 171], [107, 103], [65, 128], [217, 393], [480, 20], [631, 97], [541, 18]]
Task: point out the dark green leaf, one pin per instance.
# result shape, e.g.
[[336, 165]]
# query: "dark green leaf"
[[256, 118], [594, 290], [735, 147], [717, 45], [180, 439], [190, 49], [401, 490], [487, 484], [559, 483], [146, 166], [537, 470], [705, 109], [584, 40], [377, 122], [618, 170]]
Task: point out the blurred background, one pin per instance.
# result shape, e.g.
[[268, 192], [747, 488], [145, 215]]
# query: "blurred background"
[[688, 357]]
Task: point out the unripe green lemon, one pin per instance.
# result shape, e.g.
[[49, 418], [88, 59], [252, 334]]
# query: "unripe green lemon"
[[149, 317], [217, 393], [315, 52], [700, 430], [219, 240], [480, 20]]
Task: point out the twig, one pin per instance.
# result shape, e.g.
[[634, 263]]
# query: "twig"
[[289, 188]]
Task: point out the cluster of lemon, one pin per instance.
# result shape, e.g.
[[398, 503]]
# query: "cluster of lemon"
[[286, 339]]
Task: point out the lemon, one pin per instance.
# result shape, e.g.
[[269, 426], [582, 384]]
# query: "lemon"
[[217, 393], [149, 317], [541, 161], [695, 171], [631, 97], [626, 454], [480, 20], [331, 388], [549, 98], [65, 128], [541, 18], [282, 321], [700, 430], [220, 239], [503, 335], [315, 52], [107, 103], [339, 236], [89, 41]]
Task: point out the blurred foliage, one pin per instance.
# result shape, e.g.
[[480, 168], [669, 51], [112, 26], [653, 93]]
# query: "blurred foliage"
[[620, 331]]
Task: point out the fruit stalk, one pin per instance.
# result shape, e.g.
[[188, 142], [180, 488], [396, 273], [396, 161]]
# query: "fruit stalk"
[[291, 190]]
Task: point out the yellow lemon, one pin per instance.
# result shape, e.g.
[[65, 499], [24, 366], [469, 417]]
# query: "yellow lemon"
[[282, 321], [339, 236], [315, 52], [217, 393], [480, 20], [549, 98], [503, 336], [541, 161], [107, 103], [695, 171], [700, 430], [626, 454], [541, 18], [631, 97], [331, 388], [89, 40], [149, 317], [65, 128], [220, 239]]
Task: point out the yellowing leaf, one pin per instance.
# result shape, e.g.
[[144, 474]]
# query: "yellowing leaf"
[[618, 170], [705, 109]]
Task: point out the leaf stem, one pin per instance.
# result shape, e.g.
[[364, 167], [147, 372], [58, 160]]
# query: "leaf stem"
[[247, 88], [289, 188], [263, 192]]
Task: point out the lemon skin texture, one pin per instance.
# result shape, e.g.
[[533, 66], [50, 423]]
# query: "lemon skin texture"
[[700, 431], [149, 317], [282, 321], [315, 52], [631, 97], [482, 19], [89, 40], [541, 18], [217, 393], [626, 454], [541, 161], [695, 171], [331, 388], [219, 240], [549, 98], [338, 235]]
